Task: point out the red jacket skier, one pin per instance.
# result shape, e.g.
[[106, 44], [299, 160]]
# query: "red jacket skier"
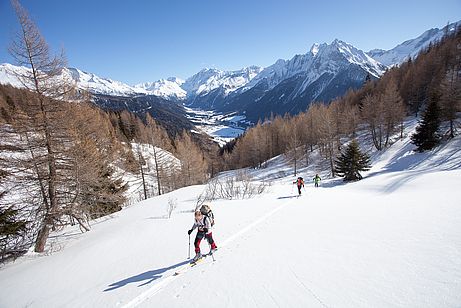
[[300, 183]]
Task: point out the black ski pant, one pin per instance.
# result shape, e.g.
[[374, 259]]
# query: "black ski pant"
[[299, 189], [198, 238]]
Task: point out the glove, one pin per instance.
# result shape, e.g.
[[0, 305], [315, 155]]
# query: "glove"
[[189, 232], [205, 230]]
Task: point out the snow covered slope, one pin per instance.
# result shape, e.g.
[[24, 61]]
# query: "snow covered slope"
[[209, 87], [211, 79], [9, 72], [321, 59], [83, 80], [411, 48], [167, 162], [98, 85], [390, 240], [167, 88], [289, 86]]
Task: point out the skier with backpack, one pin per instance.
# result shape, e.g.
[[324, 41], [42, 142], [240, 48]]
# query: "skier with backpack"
[[316, 180], [300, 183], [204, 221]]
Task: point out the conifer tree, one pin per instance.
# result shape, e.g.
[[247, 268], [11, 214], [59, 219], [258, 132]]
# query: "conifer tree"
[[11, 228], [426, 136], [351, 162], [11, 224]]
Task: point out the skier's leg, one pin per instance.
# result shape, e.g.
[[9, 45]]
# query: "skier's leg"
[[198, 239], [209, 237]]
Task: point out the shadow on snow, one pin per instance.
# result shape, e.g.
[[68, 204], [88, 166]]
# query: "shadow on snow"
[[288, 197], [148, 277]]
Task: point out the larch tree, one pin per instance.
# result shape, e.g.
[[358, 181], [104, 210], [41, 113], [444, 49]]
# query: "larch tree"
[[327, 135], [193, 164], [293, 131], [394, 110], [164, 166], [450, 99], [373, 113], [43, 114], [60, 170]]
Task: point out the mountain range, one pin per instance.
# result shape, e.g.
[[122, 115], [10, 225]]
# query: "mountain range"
[[325, 72]]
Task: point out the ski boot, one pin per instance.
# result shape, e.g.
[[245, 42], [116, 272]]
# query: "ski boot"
[[197, 257]]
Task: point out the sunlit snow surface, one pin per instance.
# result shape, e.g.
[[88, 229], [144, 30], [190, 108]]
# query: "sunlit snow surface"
[[390, 240]]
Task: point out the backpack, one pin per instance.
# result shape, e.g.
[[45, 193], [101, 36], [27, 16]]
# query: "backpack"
[[300, 181], [206, 211]]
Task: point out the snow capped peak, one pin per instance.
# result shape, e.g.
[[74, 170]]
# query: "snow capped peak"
[[411, 48], [167, 88], [176, 80], [337, 42], [321, 59], [98, 85], [83, 80], [353, 55], [314, 49], [210, 79], [9, 73], [280, 62]]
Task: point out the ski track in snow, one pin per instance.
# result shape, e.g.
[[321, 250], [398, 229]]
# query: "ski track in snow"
[[391, 240], [309, 289], [185, 268]]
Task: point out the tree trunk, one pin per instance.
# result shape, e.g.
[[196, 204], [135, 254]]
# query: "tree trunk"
[[157, 171], [45, 229], [296, 171], [143, 181], [42, 237]]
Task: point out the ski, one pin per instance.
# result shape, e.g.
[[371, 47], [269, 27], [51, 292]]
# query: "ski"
[[191, 264], [194, 263]]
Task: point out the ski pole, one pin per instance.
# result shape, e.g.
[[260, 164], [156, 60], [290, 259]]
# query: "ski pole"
[[211, 253], [189, 248]]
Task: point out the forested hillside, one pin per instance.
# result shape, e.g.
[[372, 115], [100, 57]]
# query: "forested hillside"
[[378, 108]]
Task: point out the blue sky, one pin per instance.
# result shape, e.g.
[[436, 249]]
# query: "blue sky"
[[137, 41]]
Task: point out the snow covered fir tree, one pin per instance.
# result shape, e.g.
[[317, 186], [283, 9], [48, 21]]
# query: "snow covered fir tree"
[[101, 181], [352, 162]]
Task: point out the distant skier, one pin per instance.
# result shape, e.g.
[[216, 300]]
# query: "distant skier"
[[300, 183], [204, 224], [316, 180]]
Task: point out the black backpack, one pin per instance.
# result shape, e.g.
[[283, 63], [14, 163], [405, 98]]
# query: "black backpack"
[[206, 210]]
